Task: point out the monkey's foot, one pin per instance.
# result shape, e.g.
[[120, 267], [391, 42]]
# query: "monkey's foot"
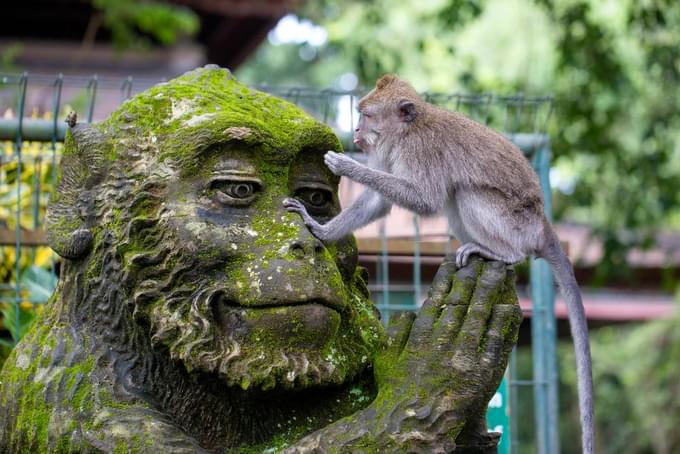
[[465, 251]]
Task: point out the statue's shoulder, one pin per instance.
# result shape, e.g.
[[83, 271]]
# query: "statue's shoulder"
[[46, 390]]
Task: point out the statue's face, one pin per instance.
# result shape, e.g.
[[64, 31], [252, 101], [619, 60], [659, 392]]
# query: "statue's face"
[[180, 195], [237, 285], [273, 305]]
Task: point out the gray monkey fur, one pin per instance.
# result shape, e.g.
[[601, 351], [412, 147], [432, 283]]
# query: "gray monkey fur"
[[429, 160]]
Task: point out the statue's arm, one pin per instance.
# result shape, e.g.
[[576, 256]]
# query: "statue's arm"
[[438, 372]]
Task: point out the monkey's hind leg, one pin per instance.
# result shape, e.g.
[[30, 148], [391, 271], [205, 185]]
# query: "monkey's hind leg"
[[465, 251]]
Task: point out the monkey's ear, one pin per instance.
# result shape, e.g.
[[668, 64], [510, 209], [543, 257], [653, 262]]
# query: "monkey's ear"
[[407, 111], [385, 80]]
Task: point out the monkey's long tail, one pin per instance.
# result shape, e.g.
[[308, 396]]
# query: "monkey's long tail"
[[564, 275]]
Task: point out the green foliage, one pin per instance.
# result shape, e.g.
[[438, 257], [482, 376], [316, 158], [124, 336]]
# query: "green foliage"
[[40, 284], [16, 322], [617, 120], [37, 285], [29, 192], [637, 393], [130, 21]]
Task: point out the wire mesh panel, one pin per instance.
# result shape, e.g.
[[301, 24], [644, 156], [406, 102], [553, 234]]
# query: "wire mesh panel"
[[32, 111]]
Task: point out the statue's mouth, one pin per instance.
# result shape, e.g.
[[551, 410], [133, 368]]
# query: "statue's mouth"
[[231, 304]]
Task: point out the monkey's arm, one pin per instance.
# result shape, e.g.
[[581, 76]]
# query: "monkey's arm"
[[403, 192], [368, 207]]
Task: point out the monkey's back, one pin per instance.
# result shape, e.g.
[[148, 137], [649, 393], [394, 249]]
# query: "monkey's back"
[[479, 157]]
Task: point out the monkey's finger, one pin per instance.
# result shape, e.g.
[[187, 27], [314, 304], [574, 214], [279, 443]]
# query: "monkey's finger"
[[481, 306], [294, 205], [331, 161], [398, 331]]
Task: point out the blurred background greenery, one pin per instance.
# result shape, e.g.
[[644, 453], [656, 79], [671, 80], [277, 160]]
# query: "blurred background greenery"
[[613, 67]]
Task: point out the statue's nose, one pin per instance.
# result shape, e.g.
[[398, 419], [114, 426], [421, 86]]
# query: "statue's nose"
[[306, 247]]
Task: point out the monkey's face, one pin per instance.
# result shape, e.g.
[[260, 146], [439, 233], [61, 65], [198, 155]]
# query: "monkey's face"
[[366, 134], [389, 109]]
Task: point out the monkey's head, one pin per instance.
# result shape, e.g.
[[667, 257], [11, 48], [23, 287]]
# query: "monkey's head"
[[170, 219], [388, 110]]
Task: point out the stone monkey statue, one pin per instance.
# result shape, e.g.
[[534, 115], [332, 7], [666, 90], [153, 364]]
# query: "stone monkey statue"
[[194, 314]]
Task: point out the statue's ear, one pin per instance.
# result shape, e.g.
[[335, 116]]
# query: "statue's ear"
[[71, 212]]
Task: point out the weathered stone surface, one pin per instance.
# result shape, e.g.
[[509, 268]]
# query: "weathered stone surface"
[[195, 314]]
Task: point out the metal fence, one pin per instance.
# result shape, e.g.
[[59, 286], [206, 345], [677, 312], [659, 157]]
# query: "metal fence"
[[32, 109]]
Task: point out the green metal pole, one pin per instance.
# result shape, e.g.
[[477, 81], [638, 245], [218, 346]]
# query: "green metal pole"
[[17, 147], [92, 89], [31, 129], [56, 104], [416, 263], [543, 330], [385, 273]]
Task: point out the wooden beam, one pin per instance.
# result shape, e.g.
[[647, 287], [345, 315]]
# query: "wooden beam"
[[29, 238], [243, 8], [405, 246]]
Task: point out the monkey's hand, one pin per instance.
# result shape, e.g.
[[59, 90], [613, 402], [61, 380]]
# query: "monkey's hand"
[[340, 164], [318, 230], [438, 371]]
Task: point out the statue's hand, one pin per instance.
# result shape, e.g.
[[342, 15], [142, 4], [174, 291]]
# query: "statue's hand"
[[439, 369], [442, 367]]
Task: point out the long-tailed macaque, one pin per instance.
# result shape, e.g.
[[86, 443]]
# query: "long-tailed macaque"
[[430, 160]]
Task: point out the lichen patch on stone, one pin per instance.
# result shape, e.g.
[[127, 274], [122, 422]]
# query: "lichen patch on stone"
[[238, 132]]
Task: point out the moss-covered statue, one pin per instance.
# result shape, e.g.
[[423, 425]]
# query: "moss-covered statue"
[[195, 314]]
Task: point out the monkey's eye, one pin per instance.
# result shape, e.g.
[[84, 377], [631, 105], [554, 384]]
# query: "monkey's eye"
[[317, 200], [234, 192]]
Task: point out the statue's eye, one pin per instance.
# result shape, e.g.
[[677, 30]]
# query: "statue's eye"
[[234, 192], [315, 198], [240, 190]]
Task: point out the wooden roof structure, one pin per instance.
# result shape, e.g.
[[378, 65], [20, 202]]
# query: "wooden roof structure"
[[230, 31]]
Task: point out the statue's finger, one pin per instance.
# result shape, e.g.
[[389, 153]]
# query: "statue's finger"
[[455, 299], [488, 286], [441, 284], [502, 334], [448, 325], [421, 330], [464, 283], [398, 331]]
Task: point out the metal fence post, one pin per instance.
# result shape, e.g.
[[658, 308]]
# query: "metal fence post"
[[543, 330]]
